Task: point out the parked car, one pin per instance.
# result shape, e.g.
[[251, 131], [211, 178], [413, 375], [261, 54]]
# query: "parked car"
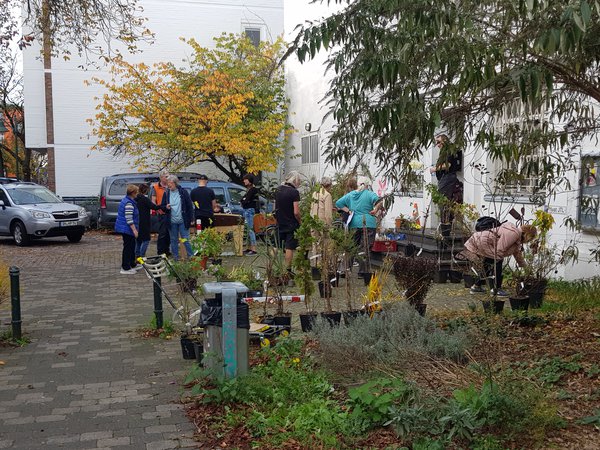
[[31, 211], [113, 188]]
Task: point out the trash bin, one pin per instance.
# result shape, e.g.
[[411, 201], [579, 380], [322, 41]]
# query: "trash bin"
[[225, 342]]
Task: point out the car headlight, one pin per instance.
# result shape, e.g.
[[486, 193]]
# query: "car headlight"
[[82, 212], [40, 215]]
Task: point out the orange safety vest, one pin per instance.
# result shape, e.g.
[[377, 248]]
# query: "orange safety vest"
[[159, 191]]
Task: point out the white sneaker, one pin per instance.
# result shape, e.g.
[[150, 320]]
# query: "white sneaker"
[[138, 267], [128, 272]]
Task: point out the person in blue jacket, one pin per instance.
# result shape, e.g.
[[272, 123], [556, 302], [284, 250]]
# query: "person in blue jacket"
[[127, 224], [181, 215], [363, 205]]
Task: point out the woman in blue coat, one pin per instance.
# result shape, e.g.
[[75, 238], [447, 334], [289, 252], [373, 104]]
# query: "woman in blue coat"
[[127, 224]]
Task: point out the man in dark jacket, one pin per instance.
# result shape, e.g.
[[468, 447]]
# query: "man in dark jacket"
[[181, 215], [205, 203], [287, 213]]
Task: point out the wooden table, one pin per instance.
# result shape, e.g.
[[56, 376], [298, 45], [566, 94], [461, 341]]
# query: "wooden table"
[[238, 236]]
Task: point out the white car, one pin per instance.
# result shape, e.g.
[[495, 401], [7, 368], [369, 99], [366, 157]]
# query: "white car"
[[31, 211]]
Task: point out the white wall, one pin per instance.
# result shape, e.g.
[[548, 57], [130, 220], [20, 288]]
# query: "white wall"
[[80, 170]]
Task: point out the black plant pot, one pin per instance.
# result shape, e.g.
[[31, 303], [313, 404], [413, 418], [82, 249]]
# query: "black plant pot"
[[441, 276], [255, 293], [496, 306], [469, 280], [421, 308], [187, 348], [284, 321], [267, 320], [216, 261], [307, 321], [322, 288], [519, 303], [455, 276], [350, 316], [334, 318], [315, 273], [199, 351], [367, 277], [535, 291]]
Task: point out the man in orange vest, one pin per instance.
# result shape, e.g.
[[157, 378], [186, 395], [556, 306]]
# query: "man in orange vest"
[[163, 241]]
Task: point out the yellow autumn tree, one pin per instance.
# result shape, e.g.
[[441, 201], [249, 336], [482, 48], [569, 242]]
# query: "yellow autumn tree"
[[227, 106]]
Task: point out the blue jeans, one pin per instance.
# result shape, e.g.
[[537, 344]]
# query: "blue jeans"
[[141, 247], [176, 230], [249, 219]]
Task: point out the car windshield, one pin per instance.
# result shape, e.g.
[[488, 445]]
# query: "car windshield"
[[236, 195], [32, 195]]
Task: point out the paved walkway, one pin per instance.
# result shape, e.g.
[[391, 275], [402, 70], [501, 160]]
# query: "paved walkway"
[[87, 380]]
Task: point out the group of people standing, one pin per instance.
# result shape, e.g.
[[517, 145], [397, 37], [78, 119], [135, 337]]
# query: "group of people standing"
[[359, 205], [177, 211]]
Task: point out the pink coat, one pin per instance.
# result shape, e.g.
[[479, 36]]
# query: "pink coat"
[[497, 243]]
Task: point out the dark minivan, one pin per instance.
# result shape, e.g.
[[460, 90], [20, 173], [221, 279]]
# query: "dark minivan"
[[114, 188]]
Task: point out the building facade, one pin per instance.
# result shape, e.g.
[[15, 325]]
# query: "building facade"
[[58, 101], [307, 84]]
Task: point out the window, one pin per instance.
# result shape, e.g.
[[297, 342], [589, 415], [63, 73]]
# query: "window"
[[590, 192], [32, 196], [236, 195], [220, 196], [310, 149], [512, 177], [4, 198], [254, 35], [413, 185]]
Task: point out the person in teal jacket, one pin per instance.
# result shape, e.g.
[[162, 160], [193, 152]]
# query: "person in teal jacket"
[[363, 205]]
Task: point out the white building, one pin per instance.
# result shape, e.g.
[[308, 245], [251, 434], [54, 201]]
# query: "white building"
[[58, 102], [306, 86]]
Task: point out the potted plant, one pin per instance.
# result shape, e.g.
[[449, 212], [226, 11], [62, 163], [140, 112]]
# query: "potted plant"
[[207, 243], [415, 275], [344, 251], [277, 277], [185, 273], [302, 266], [251, 279], [540, 261], [519, 302]]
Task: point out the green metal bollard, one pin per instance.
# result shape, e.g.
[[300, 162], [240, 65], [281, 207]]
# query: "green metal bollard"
[[158, 306], [15, 302]]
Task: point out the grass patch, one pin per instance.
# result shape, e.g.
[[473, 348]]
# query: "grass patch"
[[573, 296], [149, 330], [6, 338]]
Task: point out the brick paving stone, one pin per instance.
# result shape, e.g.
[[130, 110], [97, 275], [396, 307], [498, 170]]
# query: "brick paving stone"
[[86, 371]]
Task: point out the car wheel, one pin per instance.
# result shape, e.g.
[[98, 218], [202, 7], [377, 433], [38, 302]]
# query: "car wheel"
[[74, 237], [19, 234]]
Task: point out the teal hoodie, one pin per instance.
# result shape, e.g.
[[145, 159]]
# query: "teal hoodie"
[[361, 202]]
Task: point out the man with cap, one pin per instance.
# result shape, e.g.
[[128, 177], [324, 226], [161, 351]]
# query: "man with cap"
[[205, 203]]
